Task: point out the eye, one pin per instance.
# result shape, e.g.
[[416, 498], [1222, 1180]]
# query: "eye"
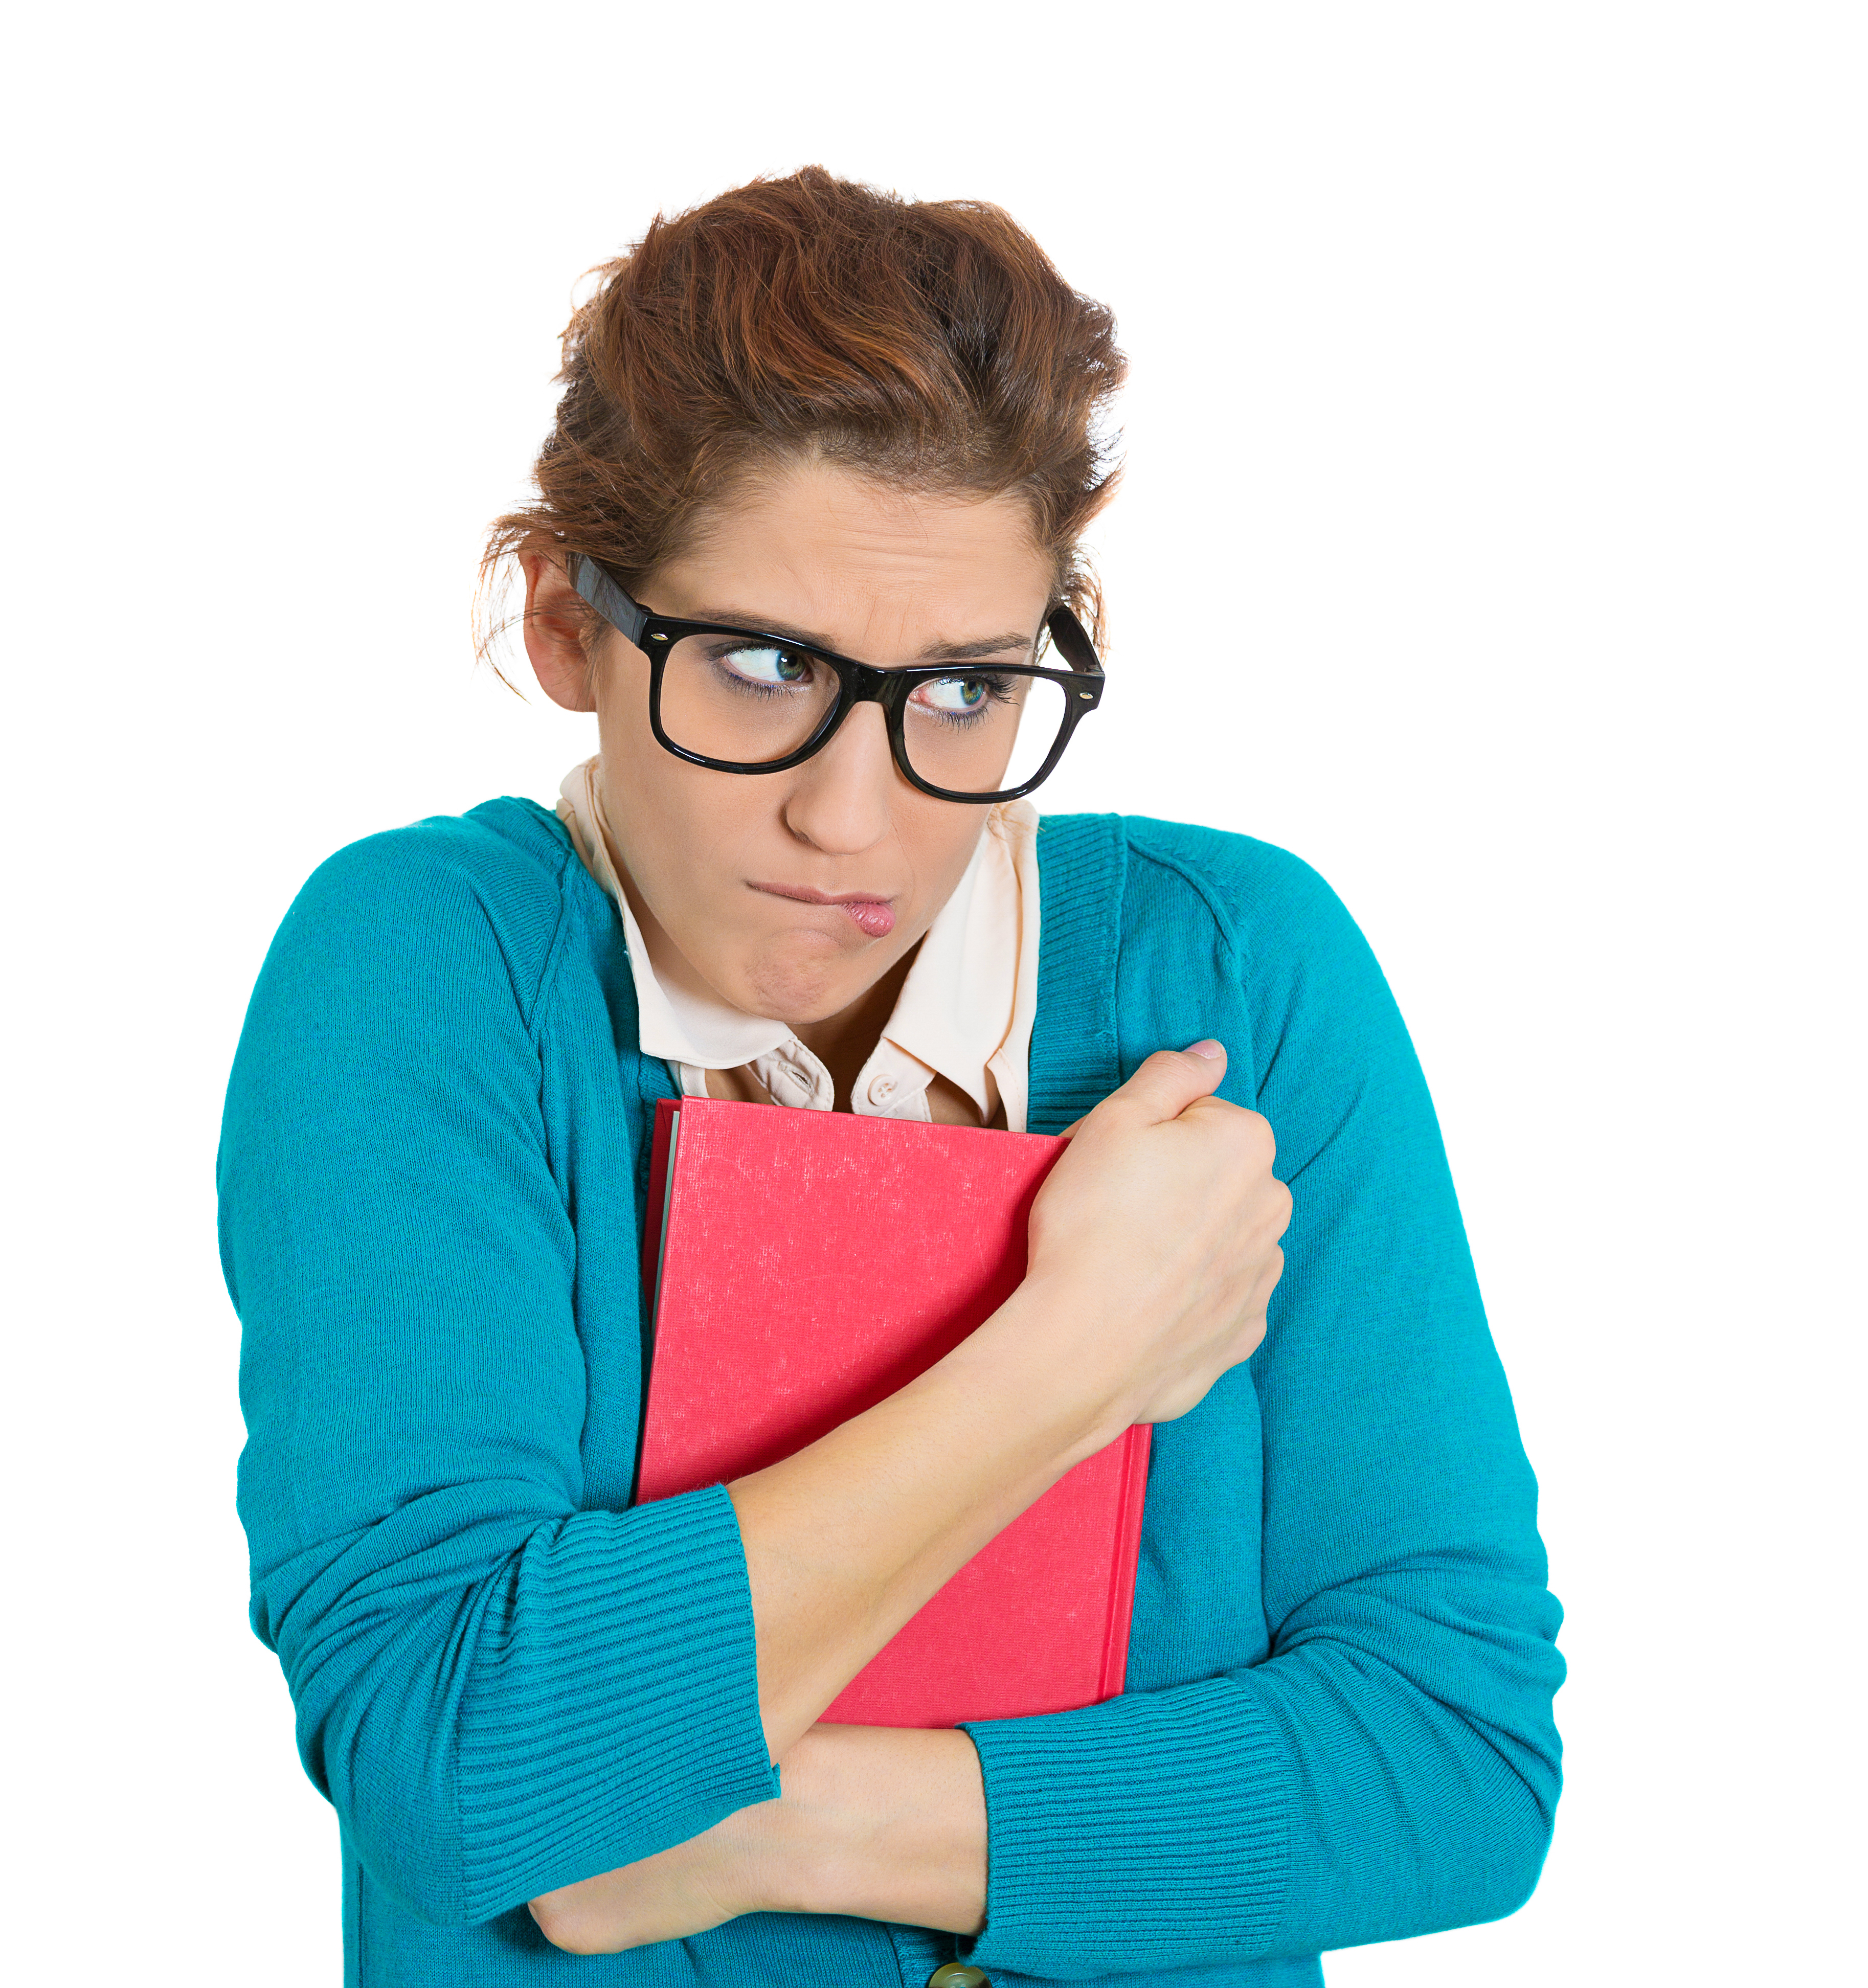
[[955, 697], [771, 666]]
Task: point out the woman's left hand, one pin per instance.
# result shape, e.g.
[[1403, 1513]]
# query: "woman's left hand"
[[876, 1822], [697, 1885]]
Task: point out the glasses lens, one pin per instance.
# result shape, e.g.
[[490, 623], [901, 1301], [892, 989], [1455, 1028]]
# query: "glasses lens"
[[981, 731], [749, 703]]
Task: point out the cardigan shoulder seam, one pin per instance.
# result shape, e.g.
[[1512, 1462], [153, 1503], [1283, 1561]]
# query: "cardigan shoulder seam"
[[1196, 881], [557, 868], [544, 994], [569, 873], [1244, 881]]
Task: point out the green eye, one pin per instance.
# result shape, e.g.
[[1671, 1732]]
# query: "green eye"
[[770, 666], [953, 696]]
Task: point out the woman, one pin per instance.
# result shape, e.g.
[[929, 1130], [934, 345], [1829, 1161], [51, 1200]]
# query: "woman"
[[811, 438]]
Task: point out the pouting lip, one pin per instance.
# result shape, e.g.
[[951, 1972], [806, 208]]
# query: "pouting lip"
[[836, 898]]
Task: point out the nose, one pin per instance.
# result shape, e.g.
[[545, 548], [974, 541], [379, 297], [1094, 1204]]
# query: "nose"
[[839, 798]]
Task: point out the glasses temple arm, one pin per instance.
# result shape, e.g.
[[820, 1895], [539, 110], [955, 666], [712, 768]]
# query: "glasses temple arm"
[[608, 598], [1073, 641]]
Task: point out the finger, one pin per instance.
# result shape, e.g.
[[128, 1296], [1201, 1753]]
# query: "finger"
[[1167, 1084]]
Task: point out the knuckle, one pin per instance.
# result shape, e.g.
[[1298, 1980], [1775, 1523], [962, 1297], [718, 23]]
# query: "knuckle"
[[1250, 1135], [1166, 1070]]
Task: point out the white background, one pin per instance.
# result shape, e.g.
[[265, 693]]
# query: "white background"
[[1492, 536]]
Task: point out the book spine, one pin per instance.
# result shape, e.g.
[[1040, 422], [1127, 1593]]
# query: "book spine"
[[1128, 1557], [665, 1109], [654, 1220]]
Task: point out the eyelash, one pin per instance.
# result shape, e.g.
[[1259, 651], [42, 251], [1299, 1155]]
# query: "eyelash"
[[998, 685], [751, 686], [997, 690]]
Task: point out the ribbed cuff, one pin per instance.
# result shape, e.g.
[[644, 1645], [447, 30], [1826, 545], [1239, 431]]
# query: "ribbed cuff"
[[613, 1708], [1148, 1833]]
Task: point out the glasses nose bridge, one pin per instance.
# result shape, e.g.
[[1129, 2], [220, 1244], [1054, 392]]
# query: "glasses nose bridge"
[[859, 683], [863, 683]]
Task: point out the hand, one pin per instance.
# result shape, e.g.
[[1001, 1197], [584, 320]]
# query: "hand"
[[687, 1889], [1153, 1243], [874, 1822]]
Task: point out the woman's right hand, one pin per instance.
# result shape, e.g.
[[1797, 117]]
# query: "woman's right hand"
[[1153, 1243]]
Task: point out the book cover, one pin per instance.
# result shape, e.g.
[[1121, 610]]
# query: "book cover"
[[803, 1266]]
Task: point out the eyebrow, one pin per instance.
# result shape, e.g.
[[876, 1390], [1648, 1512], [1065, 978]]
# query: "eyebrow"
[[940, 652]]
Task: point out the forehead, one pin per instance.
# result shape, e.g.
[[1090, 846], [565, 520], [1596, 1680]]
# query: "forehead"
[[868, 569]]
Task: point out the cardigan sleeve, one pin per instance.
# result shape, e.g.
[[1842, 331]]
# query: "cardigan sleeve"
[[1390, 1767], [499, 1692]]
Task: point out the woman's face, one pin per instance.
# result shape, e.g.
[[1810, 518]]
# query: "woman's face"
[[742, 872]]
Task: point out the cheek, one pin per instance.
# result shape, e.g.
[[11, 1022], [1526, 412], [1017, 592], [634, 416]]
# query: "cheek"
[[938, 838], [683, 832], [672, 821]]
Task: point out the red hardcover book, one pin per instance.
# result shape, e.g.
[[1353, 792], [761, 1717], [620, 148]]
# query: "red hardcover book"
[[802, 1266]]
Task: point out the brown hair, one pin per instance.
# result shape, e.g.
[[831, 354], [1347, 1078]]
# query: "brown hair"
[[928, 344]]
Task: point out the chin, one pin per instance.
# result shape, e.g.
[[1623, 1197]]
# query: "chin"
[[800, 991]]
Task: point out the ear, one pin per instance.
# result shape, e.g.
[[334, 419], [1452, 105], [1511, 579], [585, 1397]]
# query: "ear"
[[554, 619]]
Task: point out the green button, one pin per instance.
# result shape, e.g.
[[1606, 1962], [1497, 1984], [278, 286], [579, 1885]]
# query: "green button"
[[957, 1975]]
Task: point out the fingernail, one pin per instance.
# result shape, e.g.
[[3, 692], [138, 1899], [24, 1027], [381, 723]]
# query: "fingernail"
[[1211, 1050]]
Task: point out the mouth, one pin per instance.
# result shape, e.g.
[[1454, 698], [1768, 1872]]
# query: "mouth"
[[874, 917]]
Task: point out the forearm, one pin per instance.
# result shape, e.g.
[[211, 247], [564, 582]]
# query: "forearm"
[[847, 1539], [1152, 1252]]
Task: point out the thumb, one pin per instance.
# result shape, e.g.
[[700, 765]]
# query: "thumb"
[[1167, 1084]]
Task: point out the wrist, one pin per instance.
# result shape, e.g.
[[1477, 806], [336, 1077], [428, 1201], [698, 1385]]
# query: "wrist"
[[1045, 1358]]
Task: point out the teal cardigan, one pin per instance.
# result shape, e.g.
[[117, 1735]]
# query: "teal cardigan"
[[1337, 1726]]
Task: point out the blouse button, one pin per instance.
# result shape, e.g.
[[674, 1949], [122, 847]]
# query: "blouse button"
[[956, 1974], [881, 1089]]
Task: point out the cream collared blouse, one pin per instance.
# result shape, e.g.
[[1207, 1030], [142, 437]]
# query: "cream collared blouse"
[[964, 1012]]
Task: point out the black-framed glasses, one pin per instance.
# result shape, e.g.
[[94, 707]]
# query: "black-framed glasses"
[[744, 702]]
